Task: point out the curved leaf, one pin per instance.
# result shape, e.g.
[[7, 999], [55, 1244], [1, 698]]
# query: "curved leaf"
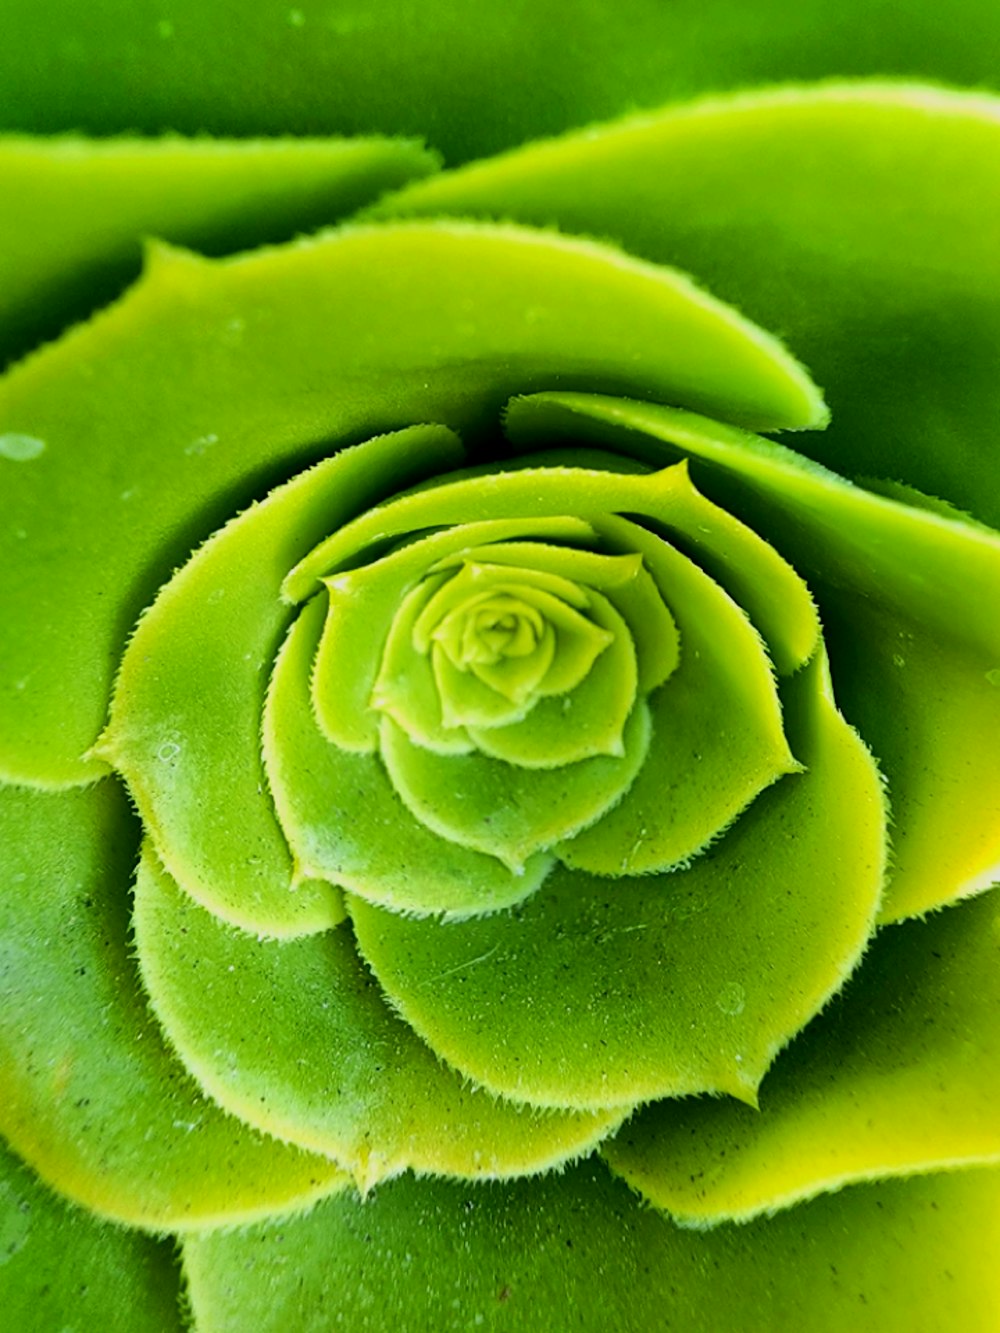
[[505, 810], [863, 221], [76, 212], [209, 377], [87, 1082], [600, 991], [343, 1075], [719, 740], [362, 602], [914, 649], [61, 1265], [437, 1257], [188, 704], [344, 819], [900, 1074]]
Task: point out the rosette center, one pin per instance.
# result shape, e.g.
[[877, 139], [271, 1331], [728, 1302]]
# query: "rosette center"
[[498, 640]]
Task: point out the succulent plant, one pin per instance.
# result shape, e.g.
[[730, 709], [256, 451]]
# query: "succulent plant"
[[490, 837]]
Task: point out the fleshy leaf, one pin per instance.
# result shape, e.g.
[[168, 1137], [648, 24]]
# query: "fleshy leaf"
[[900, 1074], [407, 687], [585, 721], [362, 602], [60, 1265], [76, 211], [339, 1073], [597, 991], [861, 218], [440, 1257], [473, 88], [91, 1097], [208, 375], [448, 633], [905, 590], [344, 820], [587, 483], [504, 810], [719, 735], [189, 696], [622, 579]]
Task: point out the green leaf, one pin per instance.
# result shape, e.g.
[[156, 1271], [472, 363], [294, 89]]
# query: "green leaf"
[[718, 735], [584, 721], [527, 68], [338, 1072], [587, 482], [478, 656], [568, 1252], [711, 773], [90, 1095], [212, 379], [186, 713], [915, 658], [60, 1265], [900, 1074], [503, 809], [861, 221], [597, 991], [363, 602], [77, 212], [622, 579], [343, 817]]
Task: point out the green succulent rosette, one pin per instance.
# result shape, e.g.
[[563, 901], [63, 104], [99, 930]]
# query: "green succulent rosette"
[[492, 838]]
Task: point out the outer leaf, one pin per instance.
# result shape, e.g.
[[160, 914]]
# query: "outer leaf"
[[210, 379], [595, 991], [527, 68], [434, 1257], [338, 1071], [76, 212], [908, 593], [901, 1074], [89, 1094], [58, 1265], [863, 221]]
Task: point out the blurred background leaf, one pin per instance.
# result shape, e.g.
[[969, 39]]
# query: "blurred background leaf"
[[472, 77]]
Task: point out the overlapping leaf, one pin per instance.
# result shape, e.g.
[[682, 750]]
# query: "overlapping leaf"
[[209, 384]]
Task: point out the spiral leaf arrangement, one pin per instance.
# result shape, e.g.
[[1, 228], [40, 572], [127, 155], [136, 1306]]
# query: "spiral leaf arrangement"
[[496, 821]]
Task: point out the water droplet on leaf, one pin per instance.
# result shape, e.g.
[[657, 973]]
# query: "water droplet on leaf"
[[732, 999], [20, 448]]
